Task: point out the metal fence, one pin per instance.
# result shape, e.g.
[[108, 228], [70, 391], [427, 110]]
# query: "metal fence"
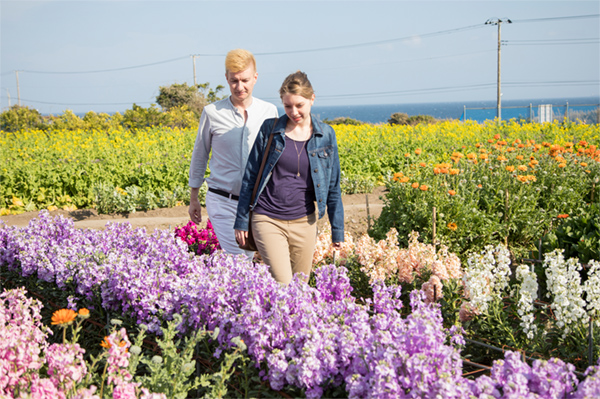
[[586, 113]]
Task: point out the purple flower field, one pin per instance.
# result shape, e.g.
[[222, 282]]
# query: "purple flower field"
[[310, 338]]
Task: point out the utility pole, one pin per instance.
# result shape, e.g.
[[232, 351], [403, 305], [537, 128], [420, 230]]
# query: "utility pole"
[[498, 22], [194, 61], [18, 89]]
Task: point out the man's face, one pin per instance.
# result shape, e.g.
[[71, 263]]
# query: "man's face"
[[241, 83]]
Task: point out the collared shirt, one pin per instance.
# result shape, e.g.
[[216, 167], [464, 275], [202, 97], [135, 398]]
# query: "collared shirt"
[[223, 131]]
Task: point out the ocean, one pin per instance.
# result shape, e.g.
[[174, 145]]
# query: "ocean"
[[519, 109]]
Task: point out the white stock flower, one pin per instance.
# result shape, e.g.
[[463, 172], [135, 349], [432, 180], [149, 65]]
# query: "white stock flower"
[[527, 295], [564, 286]]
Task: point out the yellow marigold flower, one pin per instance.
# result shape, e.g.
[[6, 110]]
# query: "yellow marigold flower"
[[584, 164], [510, 168], [452, 226], [63, 316], [17, 202], [52, 208], [405, 179], [415, 185], [454, 171], [423, 187], [522, 168], [502, 158]]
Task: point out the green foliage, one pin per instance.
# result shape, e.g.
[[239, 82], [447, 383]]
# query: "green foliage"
[[343, 120], [398, 118], [578, 235], [194, 98], [401, 118], [357, 184], [19, 118]]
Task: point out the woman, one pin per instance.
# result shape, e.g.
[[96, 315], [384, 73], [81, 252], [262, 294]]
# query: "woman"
[[302, 168]]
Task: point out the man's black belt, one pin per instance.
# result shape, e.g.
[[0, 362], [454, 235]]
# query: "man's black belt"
[[224, 194]]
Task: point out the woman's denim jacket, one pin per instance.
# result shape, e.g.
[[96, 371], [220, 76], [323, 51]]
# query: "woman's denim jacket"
[[324, 164]]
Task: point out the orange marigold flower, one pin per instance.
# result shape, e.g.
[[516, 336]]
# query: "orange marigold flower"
[[521, 146], [568, 145], [502, 158], [405, 179], [105, 343], [510, 168], [397, 176], [63, 316], [562, 165], [477, 145], [83, 313], [483, 156], [496, 136], [563, 216], [415, 185], [423, 187], [520, 157], [479, 186], [418, 151], [423, 164], [584, 164], [407, 155], [444, 171], [518, 141], [490, 140], [510, 149], [436, 170], [452, 226], [451, 192]]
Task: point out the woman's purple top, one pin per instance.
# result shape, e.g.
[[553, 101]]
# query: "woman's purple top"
[[288, 196]]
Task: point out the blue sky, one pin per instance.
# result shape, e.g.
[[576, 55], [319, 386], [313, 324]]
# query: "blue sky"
[[106, 55]]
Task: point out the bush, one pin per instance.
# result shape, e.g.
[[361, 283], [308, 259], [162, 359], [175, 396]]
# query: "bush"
[[21, 118], [400, 118], [343, 120]]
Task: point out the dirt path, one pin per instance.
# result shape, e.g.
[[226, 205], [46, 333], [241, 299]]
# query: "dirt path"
[[355, 213]]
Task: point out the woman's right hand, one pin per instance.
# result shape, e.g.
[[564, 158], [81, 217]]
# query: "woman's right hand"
[[240, 236]]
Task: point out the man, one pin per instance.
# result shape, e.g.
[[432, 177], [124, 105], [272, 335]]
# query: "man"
[[228, 128]]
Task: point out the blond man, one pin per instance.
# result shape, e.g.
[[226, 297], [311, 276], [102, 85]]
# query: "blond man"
[[228, 128]]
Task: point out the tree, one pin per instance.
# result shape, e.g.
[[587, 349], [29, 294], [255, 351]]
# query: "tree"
[[195, 97]]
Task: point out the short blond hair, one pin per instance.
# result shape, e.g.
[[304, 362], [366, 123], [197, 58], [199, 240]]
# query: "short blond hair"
[[238, 60], [297, 83]]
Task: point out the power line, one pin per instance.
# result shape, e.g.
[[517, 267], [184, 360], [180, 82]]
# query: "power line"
[[107, 70], [556, 18], [591, 40]]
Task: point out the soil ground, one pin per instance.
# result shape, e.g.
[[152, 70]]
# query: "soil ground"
[[356, 214]]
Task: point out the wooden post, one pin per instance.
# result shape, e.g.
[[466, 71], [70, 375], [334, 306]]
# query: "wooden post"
[[591, 342], [368, 212], [434, 227]]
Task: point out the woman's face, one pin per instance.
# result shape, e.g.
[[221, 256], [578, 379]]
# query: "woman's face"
[[297, 108]]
